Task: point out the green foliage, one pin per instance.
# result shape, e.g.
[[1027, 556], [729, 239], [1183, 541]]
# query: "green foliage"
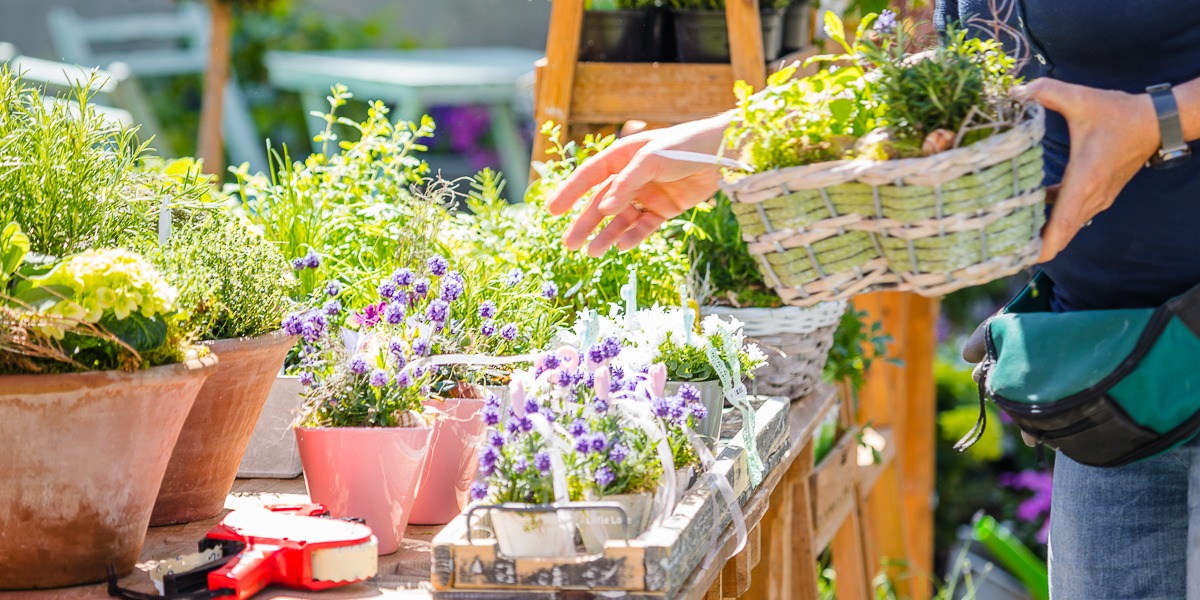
[[70, 176], [232, 282], [856, 346], [720, 4], [355, 209], [722, 270], [14, 246], [527, 237]]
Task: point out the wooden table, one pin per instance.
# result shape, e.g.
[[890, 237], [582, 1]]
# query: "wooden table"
[[415, 80], [406, 573]]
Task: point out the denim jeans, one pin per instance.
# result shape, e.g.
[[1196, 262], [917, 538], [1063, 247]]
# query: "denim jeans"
[[1130, 532]]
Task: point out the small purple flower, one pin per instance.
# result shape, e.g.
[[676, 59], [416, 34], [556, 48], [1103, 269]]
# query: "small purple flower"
[[699, 411], [420, 346], [599, 442], [438, 311], [583, 445], [509, 332], [437, 265], [595, 354], [491, 415], [358, 365], [605, 476], [393, 313], [403, 278], [307, 378], [333, 288], [541, 460], [661, 407], [387, 289], [313, 327], [616, 372], [479, 490], [452, 288], [298, 264], [678, 410], [612, 347], [492, 400], [488, 455], [550, 361], [526, 424], [886, 23], [293, 323], [549, 290], [421, 287], [618, 453], [600, 405], [488, 329], [577, 428], [396, 347], [520, 465], [514, 277], [689, 393], [379, 378], [311, 260], [565, 379], [495, 438], [487, 310], [403, 379], [531, 405], [333, 307]]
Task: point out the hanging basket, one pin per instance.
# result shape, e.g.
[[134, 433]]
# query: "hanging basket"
[[796, 341], [929, 225]]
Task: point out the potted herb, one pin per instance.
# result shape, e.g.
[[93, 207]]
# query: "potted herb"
[[234, 287], [364, 400], [702, 34], [622, 31], [895, 170], [337, 217], [97, 379], [728, 283]]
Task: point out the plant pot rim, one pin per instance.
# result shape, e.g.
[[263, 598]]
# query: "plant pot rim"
[[362, 429], [271, 338], [713, 11], [20, 383]]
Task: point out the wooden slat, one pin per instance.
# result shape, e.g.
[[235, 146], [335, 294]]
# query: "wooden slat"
[[803, 567], [834, 494], [746, 42], [658, 92], [735, 577], [556, 78], [916, 448], [853, 574]]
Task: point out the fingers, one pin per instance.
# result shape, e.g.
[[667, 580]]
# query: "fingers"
[[587, 220], [594, 172], [626, 186], [613, 230], [642, 229], [1051, 93]]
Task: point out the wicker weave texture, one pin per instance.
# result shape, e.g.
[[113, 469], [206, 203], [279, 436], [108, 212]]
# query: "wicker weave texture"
[[930, 225]]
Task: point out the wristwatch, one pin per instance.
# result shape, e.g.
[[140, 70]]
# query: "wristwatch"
[[1174, 149]]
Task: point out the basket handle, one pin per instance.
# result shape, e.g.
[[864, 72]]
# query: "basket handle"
[[700, 157]]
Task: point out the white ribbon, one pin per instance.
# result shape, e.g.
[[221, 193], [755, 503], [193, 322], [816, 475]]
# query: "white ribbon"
[[729, 371], [716, 481]]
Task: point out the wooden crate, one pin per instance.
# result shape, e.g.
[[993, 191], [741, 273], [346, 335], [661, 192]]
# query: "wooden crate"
[[834, 485], [656, 563]]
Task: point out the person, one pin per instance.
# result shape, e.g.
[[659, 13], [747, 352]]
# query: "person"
[[1120, 234]]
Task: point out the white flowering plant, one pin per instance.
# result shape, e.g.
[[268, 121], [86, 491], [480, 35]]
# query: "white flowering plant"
[[672, 336], [602, 424]]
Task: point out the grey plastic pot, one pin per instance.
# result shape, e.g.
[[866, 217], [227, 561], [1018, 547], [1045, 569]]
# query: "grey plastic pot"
[[627, 35], [797, 26], [702, 36]]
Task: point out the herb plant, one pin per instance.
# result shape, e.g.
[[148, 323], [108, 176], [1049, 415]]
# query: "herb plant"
[[525, 236], [722, 271]]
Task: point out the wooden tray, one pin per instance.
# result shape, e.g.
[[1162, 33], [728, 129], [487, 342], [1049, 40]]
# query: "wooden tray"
[[657, 562]]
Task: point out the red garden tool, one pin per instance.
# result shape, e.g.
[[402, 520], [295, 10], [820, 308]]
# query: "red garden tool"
[[294, 546]]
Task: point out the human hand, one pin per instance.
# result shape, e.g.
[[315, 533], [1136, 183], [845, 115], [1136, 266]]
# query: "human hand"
[[639, 188], [1112, 136]]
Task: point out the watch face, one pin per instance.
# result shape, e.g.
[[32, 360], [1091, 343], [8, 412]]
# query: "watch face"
[[1174, 158]]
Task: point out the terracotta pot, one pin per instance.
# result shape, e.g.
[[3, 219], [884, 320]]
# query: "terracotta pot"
[[452, 464], [205, 460], [84, 457], [272, 448], [367, 472]]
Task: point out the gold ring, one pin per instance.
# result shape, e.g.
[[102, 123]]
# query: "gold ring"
[[638, 206]]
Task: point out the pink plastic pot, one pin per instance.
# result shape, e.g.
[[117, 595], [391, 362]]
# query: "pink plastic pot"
[[367, 472], [453, 462]]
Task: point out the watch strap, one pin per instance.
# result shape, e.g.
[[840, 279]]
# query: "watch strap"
[[1169, 125]]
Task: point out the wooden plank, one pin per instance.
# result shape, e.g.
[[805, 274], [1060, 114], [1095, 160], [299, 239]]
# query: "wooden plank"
[[556, 78], [714, 592], [755, 542], [803, 567], [834, 493], [770, 576], [916, 447], [853, 576], [735, 577], [746, 42], [653, 92]]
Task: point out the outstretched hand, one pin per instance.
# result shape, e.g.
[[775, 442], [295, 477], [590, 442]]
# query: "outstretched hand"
[[1113, 134], [640, 189]]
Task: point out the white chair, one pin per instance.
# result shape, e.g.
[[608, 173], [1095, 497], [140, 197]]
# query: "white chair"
[[158, 45]]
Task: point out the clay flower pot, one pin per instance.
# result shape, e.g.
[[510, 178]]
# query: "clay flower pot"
[[206, 457], [84, 456], [366, 472], [452, 464]]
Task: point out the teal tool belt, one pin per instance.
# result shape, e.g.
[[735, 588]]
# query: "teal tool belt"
[[1104, 387]]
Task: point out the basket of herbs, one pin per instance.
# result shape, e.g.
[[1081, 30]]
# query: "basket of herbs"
[[888, 169]]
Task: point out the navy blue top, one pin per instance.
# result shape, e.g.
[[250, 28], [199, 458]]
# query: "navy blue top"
[[1146, 247]]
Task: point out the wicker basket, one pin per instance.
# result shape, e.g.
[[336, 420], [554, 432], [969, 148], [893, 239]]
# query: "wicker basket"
[[929, 225], [796, 341]]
